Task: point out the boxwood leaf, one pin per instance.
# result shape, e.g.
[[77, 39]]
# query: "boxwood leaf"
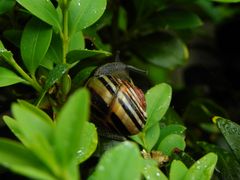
[[227, 163], [7, 55], [8, 77], [83, 13], [203, 168], [77, 55], [151, 171], [76, 41], [169, 143], [88, 142], [231, 132], [35, 42], [17, 158], [178, 170], [113, 164], [158, 99], [6, 5], [44, 10], [151, 136], [70, 126], [161, 49]]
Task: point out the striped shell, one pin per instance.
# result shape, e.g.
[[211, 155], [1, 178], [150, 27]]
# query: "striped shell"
[[117, 103]]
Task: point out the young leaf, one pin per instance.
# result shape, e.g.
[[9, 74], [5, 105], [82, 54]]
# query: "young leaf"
[[36, 134], [76, 41], [231, 132], [77, 55], [8, 77], [35, 42], [151, 137], [113, 163], [203, 168], [89, 142], [158, 99], [84, 13], [7, 55], [151, 171], [15, 157], [169, 143], [178, 170], [44, 10], [6, 5], [70, 125]]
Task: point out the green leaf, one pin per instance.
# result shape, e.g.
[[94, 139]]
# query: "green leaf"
[[54, 53], [176, 20], [171, 129], [227, 163], [6, 5], [37, 133], [171, 142], [70, 126], [88, 143], [178, 170], [76, 41], [84, 13], [151, 137], [81, 77], [161, 49], [15, 157], [44, 10], [203, 168], [158, 99], [7, 55], [231, 132], [35, 42], [77, 55], [8, 77], [151, 171], [113, 164]]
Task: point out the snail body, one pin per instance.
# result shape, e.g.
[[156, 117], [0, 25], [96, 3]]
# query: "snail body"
[[116, 102]]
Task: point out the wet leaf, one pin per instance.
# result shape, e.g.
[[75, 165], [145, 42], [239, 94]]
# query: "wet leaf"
[[178, 170]]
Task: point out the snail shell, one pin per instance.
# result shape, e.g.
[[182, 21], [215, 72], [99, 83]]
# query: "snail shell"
[[116, 102]]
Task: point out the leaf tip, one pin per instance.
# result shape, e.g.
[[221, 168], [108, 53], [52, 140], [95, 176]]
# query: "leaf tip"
[[215, 118]]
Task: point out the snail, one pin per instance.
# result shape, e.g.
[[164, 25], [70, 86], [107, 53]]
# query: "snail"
[[116, 103]]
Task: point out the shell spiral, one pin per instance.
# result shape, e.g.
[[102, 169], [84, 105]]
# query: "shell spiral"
[[117, 104]]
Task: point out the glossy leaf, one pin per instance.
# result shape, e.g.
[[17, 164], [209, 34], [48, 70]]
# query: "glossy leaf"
[[37, 133], [158, 99], [77, 55], [161, 49], [171, 129], [44, 10], [81, 77], [151, 171], [178, 170], [231, 132], [171, 142], [83, 13], [18, 159], [227, 163], [151, 137], [35, 42], [70, 126], [6, 5], [113, 164], [76, 41], [203, 168], [88, 143], [8, 77]]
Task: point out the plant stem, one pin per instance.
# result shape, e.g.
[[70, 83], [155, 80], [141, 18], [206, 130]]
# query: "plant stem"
[[64, 36], [32, 81]]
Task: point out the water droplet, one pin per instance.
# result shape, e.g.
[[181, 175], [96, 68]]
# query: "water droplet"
[[158, 174], [101, 168], [198, 167], [148, 177]]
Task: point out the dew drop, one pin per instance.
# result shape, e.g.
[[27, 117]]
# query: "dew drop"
[[158, 174]]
